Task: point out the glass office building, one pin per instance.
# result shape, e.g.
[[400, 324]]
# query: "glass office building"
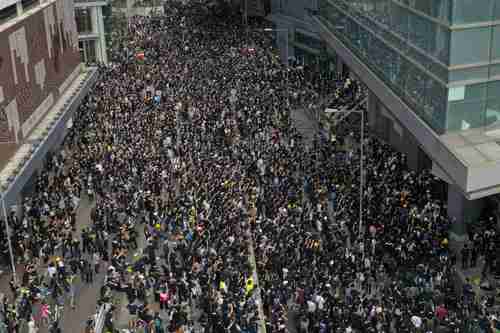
[[441, 57]]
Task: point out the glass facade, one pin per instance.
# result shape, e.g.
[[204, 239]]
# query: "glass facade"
[[29, 4], [419, 50], [475, 11], [8, 13], [109, 20], [88, 52], [307, 40], [395, 43], [83, 18]]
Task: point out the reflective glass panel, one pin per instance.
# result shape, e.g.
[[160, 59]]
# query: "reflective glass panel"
[[470, 46]]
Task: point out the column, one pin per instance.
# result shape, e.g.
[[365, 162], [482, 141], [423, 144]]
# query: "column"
[[284, 44], [103, 56], [94, 20], [340, 65], [19, 7], [462, 211], [372, 109]]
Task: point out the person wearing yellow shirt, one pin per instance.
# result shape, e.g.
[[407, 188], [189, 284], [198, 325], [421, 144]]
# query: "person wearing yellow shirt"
[[249, 286]]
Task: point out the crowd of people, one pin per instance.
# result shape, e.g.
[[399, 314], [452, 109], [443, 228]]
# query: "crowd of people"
[[211, 212]]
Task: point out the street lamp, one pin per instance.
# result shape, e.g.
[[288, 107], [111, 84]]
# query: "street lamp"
[[362, 140], [286, 40], [286, 55]]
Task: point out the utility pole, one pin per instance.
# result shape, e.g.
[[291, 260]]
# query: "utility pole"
[[245, 20]]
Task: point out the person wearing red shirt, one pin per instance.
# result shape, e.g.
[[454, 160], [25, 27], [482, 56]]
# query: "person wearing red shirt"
[[441, 312]]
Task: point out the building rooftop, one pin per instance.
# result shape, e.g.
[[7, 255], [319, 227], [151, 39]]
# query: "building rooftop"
[[474, 147], [479, 151]]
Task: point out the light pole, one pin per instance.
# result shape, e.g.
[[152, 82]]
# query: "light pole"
[[286, 55], [361, 158], [245, 19], [9, 243], [286, 59], [286, 40]]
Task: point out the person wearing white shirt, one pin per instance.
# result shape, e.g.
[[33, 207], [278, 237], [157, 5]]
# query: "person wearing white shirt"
[[32, 326], [51, 270]]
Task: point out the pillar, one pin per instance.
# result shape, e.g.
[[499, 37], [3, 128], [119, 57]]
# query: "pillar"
[[19, 7], [93, 19], [410, 147], [283, 42], [103, 56], [372, 109], [462, 211], [340, 65]]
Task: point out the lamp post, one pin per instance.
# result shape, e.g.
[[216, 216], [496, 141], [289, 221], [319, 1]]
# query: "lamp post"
[[9, 243], [361, 158], [286, 39], [245, 20], [286, 59]]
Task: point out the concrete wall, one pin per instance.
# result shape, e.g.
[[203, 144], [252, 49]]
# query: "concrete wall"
[[38, 52], [53, 140]]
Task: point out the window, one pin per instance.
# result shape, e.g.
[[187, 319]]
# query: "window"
[[475, 92], [82, 51], [495, 48], [476, 73], [496, 11], [469, 109], [8, 13], [88, 51], [464, 115], [495, 70], [427, 97], [307, 40], [420, 32], [83, 20], [471, 11], [470, 46], [439, 9], [493, 112], [493, 88], [28, 4]]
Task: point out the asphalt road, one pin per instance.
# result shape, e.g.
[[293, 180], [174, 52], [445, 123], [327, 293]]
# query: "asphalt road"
[[86, 294]]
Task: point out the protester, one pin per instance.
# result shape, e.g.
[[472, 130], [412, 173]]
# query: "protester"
[[188, 150]]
